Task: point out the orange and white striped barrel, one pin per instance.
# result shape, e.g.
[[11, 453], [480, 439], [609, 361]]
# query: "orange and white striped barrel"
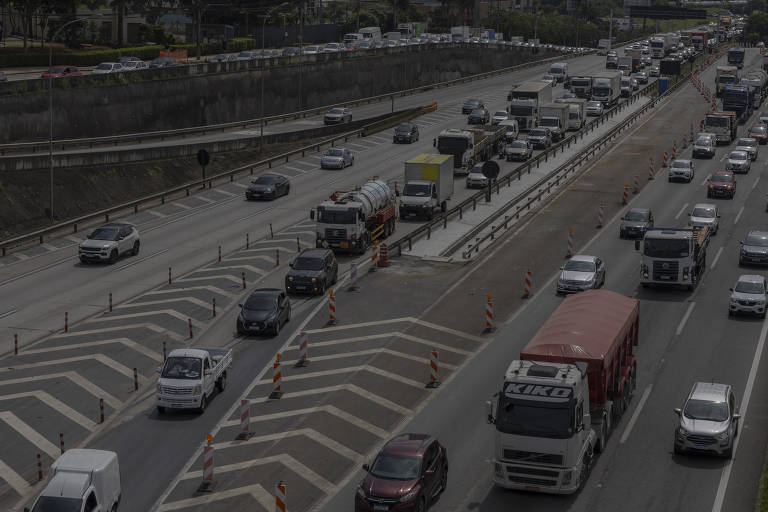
[[636, 184], [527, 284], [489, 313], [331, 307], [281, 500], [383, 256], [674, 149], [601, 215], [651, 170], [245, 416], [434, 372], [303, 349], [664, 162], [375, 256], [208, 462], [691, 133], [570, 240], [625, 194], [277, 378]]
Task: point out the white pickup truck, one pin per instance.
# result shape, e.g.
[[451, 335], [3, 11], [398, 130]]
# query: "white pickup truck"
[[189, 376]]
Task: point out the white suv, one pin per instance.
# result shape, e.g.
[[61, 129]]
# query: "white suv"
[[748, 296], [109, 242]]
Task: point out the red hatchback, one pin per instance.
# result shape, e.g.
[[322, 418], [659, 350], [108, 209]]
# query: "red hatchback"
[[59, 71], [721, 184], [759, 132], [405, 476]]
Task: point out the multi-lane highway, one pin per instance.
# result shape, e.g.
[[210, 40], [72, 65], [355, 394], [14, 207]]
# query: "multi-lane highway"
[[367, 376]]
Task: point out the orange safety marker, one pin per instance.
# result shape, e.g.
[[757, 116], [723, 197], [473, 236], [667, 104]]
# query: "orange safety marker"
[[383, 256], [651, 171], [331, 308], [245, 420], [489, 324], [277, 377], [527, 284], [374, 257], [281, 501], [636, 184], [208, 484], [570, 241], [600, 215], [303, 350], [434, 374], [625, 194]]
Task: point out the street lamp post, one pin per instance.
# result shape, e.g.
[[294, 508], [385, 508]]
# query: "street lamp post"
[[263, 69], [50, 101]]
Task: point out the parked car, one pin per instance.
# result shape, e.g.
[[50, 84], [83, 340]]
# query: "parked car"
[[313, 271], [580, 273], [269, 53], [758, 132], [163, 62], [721, 184], [471, 105], [681, 170], [540, 137], [708, 420], [479, 116], [135, 65], [499, 116], [763, 117], [61, 71], [635, 223], [268, 186], [332, 48], [108, 242], [313, 49], [407, 473], [337, 158], [738, 161], [754, 248], [748, 296], [406, 132], [291, 51], [705, 214], [106, 68], [749, 145], [338, 115], [518, 150], [594, 108], [264, 312]]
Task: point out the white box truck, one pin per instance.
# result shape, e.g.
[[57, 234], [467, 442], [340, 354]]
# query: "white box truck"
[[189, 376], [526, 99], [603, 46], [81, 480], [459, 34], [606, 87], [578, 112], [428, 185], [555, 117]]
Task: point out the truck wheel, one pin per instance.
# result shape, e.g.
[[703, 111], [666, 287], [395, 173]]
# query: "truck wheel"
[[600, 447], [222, 382], [430, 214], [203, 404], [160, 409]]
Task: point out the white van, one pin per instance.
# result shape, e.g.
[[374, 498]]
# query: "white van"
[[559, 70], [81, 480]]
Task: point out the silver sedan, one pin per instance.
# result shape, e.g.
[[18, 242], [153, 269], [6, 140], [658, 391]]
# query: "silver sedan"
[[337, 158], [581, 273]]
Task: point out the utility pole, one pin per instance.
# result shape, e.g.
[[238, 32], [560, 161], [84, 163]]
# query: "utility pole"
[[302, 11], [610, 29], [358, 17]]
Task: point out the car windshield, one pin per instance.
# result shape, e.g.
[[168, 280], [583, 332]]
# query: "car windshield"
[[336, 111], [593, 104], [334, 152], [706, 410], [106, 67], [182, 368], [756, 240], [537, 132], [416, 190], [478, 112], [105, 234], [471, 103], [260, 303], [635, 215], [749, 287], [57, 69], [305, 263], [665, 248], [265, 180], [57, 504], [725, 178], [681, 164], [747, 142], [131, 64], [704, 141], [520, 144], [707, 213], [719, 122], [403, 128], [500, 113], [520, 110], [347, 216], [757, 129], [396, 467], [737, 155], [580, 266]]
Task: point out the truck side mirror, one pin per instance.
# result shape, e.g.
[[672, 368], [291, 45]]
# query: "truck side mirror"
[[159, 369], [678, 411], [490, 419], [637, 245], [312, 214]]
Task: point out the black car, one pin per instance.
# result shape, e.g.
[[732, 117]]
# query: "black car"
[[163, 62], [479, 116], [635, 223], [268, 186], [406, 132], [265, 312], [471, 105], [290, 51], [313, 271]]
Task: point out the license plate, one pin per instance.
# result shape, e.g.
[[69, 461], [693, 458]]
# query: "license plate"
[[377, 507], [299, 287], [344, 245]]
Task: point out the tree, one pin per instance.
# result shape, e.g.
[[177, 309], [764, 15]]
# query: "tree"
[[757, 25]]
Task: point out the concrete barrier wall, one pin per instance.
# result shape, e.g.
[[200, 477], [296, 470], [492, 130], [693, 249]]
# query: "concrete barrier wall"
[[195, 95]]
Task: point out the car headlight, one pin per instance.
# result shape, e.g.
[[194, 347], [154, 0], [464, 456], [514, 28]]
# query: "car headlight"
[[723, 435], [567, 476], [682, 432], [409, 495], [314, 279], [198, 389], [290, 278], [733, 301], [361, 492]]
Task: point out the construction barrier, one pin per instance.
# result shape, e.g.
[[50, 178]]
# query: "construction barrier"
[[169, 275], [101, 410], [570, 242], [281, 501], [61, 441], [527, 284], [636, 184], [331, 308], [243, 280], [110, 302], [277, 257], [489, 324], [651, 171], [66, 321], [374, 256], [434, 374], [277, 377], [383, 256], [208, 483], [303, 350], [685, 142], [135, 379], [39, 469], [219, 254], [664, 162], [625, 194], [245, 420], [352, 277], [16, 344], [600, 215]]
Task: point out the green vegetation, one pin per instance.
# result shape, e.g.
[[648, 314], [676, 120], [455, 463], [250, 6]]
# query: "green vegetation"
[[39, 58], [762, 497]]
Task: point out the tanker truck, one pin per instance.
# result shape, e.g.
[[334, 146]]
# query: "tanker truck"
[[351, 220]]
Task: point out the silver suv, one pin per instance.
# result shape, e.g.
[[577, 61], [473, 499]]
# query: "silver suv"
[[708, 423], [109, 242]]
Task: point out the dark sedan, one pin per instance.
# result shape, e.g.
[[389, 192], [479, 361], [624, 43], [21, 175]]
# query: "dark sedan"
[[313, 271], [479, 116], [163, 62], [268, 186], [754, 248], [471, 105], [265, 312], [406, 132], [635, 223], [407, 474]]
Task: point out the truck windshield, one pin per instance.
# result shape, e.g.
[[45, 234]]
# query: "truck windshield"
[[451, 145], [727, 79], [182, 368], [416, 190], [520, 110], [336, 216], [719, 122], [534, 418], [735, 96], [580, 82], [57, 504], [665, 248], [736, 56], [549, 121], [600, 90]]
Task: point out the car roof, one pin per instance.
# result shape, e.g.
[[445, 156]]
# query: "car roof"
[[266, 292], [407, 444], [583, 257], [722, 173], [681, 160], [757, 232], [640, 210], [747, 139], [117, 225], [737, 150], [710, 391], [750, 278], [313, 253]]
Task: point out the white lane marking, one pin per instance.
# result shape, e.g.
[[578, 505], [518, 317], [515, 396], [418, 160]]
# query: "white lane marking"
[[717, 257], [105, 360], [408, 337], [706, 179], [241, 185], [371, 351], [265, 499], [213, 289], [8, 313], [754, 185], [169, 312], [720, 497], [30, 434], [191, 300], [13, 479], [208, 278], [57, 405], [378, 400], [76, 379], [310, 433], [49, 247], [351, 369], [738, 215], [399, 320], [205, 199], [681, 211], [145, 325], [21, 256], [225, 192], [635, 415], [251, 268], [74, 239], [297, 169], [685, 319], [88, 344], [182, 205], [140, 260], [156, 214]]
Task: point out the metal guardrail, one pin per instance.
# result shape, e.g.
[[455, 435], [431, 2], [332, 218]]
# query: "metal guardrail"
[[207, 182], [535, 191], [63, 144]]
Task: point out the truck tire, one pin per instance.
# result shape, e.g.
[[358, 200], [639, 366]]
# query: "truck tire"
[[603, 438]]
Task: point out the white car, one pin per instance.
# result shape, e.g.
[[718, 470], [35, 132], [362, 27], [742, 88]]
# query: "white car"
[[109, 242], [476, 178], [594, 108], [705, 214], [333, 48], [738, 161], [748, 296], [551, 79], [499, 116], [681, 170], [313, 49], [135, 65], [749, 145], [107, 67], [337, 158], [580, 273]]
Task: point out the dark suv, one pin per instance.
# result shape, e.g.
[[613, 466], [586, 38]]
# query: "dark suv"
[[409, 471], [313, 271]]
